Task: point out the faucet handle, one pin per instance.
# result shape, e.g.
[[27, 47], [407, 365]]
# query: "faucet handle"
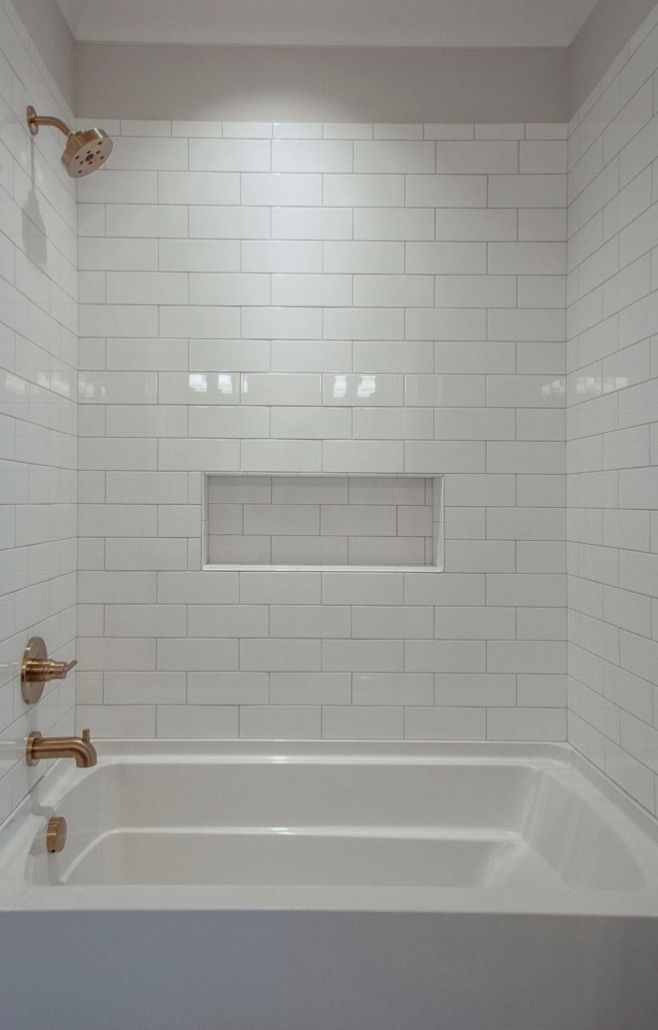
[[86, 736], [37, 669]]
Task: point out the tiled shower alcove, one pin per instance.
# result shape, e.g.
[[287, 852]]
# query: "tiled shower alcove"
[[316, 520]]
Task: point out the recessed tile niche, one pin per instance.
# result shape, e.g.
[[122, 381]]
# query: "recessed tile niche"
[[303, 520]]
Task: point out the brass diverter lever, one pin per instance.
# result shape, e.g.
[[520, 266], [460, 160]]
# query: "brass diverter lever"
[[38, 669]]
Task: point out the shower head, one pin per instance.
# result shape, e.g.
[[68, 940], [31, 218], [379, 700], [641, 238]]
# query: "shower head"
[[85, 151]]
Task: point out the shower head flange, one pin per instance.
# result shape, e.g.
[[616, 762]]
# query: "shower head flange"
[[35, 121]]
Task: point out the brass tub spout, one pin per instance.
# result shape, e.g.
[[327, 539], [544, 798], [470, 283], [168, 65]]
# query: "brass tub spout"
[[79, 748]]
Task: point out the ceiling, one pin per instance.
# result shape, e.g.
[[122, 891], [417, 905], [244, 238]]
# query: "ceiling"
[[454, 23]]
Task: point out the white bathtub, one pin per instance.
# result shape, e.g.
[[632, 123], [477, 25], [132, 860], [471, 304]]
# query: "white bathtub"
[[244, 886]]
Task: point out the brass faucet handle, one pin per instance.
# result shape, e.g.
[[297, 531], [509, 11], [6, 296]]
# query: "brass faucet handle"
[[38, 668], [58, 670]]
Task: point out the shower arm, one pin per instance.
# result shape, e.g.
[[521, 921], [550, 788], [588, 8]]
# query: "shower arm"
[[35, 120]]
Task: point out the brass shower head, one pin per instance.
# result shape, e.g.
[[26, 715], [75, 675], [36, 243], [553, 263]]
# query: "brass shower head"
[[85, 150]]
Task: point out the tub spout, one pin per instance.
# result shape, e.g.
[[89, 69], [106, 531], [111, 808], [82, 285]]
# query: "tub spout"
[[79, 748]]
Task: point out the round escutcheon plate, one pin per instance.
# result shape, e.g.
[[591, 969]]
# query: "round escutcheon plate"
[[36, 651]]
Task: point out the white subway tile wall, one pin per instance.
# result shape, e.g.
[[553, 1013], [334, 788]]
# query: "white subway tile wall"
[[323, 520], [323, 305], [38, 403], [612, 422]]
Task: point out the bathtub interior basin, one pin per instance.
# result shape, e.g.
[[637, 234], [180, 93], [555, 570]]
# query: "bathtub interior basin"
[[275, 819]]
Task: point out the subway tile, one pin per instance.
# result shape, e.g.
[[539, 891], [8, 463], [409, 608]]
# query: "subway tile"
[[542, 224], [464, 224], [542, 156], [373, 621], [199, 321], [423, 457], [312, 156], [290, 722], [467, 690], [119, 187], [394, 156], [198, 188], [489, 157], [446, 258], [114, 587], [392, 688], [137, 287], [526, 590], [118, 721], [389, 223], [446, 324], [476, 291], [199, 255], [301, 588], [127, 553], [228, 288], [198, 455], [364, 324], [445, 723], [448, 655], [145, 688], [157, 354], [393, 356], [222, 620], [136, 154], [297, 130], [526, 724], [228, 421], [146, 220], [227, 223], [227, 688], [274, 655], [300, 223], [310, 621], [362, 655], [121, 255], [104, 653], [362, 456], [198, 588], [380, 588], [283, 256], [528, 191], [448, 191], [393, 291], [320, 290], [363, 190], [230, 155], [347, 130], [241, 130], [135, 620], [274, 189], [479, 556], [352, 722], [197, 721], [194, 654], [295, 323], [280, 456], [310, 688], [392, 424], [307, 423]]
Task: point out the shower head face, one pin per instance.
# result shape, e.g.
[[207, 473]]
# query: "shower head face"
[[86, 151]]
